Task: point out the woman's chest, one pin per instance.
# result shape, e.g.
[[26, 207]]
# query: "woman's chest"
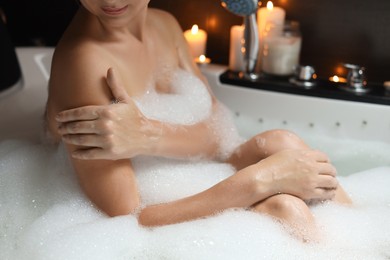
[[149, 67]]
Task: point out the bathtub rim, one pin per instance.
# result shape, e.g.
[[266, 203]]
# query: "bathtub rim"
[[342, 118], [21, 110]]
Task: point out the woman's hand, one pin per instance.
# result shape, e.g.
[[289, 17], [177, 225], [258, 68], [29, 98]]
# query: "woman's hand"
[[306, 174], [115, 131]]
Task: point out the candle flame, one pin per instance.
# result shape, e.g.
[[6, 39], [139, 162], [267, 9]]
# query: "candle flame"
[[270, 5], [195, 29], [338, 79], [202, 59]]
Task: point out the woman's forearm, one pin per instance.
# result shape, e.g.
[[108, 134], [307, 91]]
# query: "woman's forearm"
[[182, 141], [205, 139], [237, 191]]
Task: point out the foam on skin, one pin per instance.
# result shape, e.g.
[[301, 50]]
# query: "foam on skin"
[[187, 103]]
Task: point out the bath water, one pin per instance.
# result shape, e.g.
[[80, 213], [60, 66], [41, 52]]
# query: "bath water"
[[45, 215]]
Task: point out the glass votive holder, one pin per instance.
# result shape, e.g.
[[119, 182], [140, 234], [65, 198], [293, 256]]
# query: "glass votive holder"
[[281, 48]]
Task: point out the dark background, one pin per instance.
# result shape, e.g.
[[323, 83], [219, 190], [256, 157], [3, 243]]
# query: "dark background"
[[334, 31]]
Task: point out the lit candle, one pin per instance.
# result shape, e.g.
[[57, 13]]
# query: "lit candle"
[[280, 55], [269, 14], [280, 51], [236, 53], [338, 79], [196, 39], [202, 59]]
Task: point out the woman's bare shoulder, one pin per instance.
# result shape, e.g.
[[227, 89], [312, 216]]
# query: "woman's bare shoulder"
[[161, 14], [77, 75], [73, 54], [165, 20]]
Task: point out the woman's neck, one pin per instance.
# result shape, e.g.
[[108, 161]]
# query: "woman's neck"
[[116, 29]]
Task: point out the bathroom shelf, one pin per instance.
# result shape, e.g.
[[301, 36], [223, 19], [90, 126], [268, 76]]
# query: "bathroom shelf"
[[323, 88]]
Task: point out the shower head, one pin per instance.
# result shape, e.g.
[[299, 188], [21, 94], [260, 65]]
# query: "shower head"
[[240, 7], [247, 9]]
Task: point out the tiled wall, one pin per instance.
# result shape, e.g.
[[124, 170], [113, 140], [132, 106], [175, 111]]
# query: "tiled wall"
[[334, 31]]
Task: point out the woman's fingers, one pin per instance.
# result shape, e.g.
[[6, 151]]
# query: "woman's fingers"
[[85, 140], [79, 127], [90, 154], [327, 169], [319, 156], [327, 182], [81, 113], [324, 194], [116, 86]]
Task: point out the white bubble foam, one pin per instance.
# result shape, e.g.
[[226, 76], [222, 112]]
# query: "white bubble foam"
[[45, 215], [225, 131], [188, 103], [161, 180]]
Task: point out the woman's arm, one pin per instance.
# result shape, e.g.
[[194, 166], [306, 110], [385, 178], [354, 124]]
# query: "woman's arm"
[[303, 173], [121, 131], [110, 185]]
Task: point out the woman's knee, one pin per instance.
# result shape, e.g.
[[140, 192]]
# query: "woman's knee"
[[284, 206], [277, 140], [293, 213]]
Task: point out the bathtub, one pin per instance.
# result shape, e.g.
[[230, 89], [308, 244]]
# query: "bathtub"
[[30, 228], [21, 109]]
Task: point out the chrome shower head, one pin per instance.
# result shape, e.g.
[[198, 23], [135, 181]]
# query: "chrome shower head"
[[240, 7], [247, 9]]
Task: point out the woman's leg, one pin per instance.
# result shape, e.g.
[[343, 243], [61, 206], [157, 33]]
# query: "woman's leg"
[[342, 196], [292, 213], [271, 142], [263, 145]]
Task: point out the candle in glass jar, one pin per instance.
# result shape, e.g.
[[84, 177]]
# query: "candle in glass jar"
[[236, 53], [280, 55], [280, 52], [196, 39]]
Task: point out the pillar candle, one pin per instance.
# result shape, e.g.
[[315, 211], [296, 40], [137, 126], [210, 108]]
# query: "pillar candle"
[[196, 39], [236, 54], [269, 14]]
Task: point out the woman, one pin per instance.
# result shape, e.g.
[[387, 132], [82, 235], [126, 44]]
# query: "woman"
[[125, 47]]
